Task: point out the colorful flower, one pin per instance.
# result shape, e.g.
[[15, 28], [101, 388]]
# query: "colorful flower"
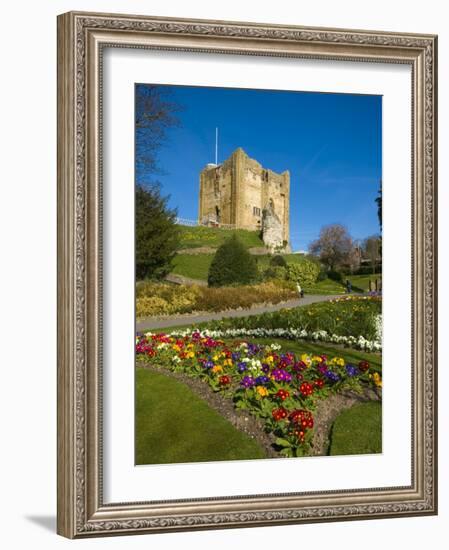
[[262, 391], [279, 414]]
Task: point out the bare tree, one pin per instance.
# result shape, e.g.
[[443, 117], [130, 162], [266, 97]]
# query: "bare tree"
[[155, 114], [334, 247], [371, 248], [354, 259]]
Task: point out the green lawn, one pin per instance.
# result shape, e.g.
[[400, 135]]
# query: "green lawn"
[[194, 266], [358, 430], [195, 237], [360, 283], [174, 425]]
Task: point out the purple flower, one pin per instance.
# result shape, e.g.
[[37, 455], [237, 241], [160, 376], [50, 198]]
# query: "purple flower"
[[265, 368], [262, 380], [242, 367], [351, 370], [247, 382], [208, 364], [322, 368], [253, 349], [235, 356], [332, 376], [281, 375]]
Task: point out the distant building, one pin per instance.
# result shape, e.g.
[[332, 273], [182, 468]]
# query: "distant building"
[[241, 194]]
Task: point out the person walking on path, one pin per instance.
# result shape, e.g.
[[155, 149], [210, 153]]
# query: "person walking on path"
[[300, 290], [348, 286]]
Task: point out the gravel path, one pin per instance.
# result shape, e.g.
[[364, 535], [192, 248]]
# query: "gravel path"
[[194, 318]]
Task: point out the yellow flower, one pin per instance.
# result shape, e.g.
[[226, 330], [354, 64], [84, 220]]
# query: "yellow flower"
[[227, 362], [269, 359], [217, 368], [263, 392], [190, 354], [216, 357], [306, 359], [176, 347], [317, 358], [377, 380]]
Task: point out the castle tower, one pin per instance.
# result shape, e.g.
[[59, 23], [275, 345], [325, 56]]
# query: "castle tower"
[[237, 192]]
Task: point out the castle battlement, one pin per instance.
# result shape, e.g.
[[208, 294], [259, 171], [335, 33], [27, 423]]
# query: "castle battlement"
[[241, 193]]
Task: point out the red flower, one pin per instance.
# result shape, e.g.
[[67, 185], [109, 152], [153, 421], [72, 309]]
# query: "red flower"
[[363, 366], [302, 418], [306, 389], [319, 383], [279, 414], [282, 394], [224, 380]]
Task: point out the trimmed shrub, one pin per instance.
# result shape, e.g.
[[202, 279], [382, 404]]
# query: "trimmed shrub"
[[278, 261], [276, 272], [232, 265], [304, 273], [335, 276], [367, 270], [322, 275]]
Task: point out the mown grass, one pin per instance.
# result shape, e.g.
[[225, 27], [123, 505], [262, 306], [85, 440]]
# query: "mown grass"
[[194, 266], [357, 430], [174, 425], [195, 237], [360, 284]]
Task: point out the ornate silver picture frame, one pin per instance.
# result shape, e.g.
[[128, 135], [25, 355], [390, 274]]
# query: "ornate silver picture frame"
[[82, 40]]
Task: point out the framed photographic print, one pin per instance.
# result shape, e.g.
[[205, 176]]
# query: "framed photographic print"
[[246, 274]]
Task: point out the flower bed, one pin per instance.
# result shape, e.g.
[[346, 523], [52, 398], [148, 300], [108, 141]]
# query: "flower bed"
[[282, 389], [350, 319], [154, 299], [359, 342]]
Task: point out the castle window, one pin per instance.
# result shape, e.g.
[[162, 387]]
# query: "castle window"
[[256, 211]]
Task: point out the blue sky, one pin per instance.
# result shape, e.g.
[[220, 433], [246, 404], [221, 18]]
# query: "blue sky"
[[330, 143]]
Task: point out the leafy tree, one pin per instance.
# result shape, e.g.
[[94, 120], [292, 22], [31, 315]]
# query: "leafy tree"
[[371, 249], [378, 201], [232, 265], [334, 247], [157, 236]]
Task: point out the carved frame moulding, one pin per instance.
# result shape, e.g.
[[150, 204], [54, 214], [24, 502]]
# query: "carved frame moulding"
[[82, 38]]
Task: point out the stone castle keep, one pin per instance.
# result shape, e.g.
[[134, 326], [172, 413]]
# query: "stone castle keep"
[[241, 194]]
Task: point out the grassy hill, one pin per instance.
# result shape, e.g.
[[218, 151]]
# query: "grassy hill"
[[196, 266], [196, 237]]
